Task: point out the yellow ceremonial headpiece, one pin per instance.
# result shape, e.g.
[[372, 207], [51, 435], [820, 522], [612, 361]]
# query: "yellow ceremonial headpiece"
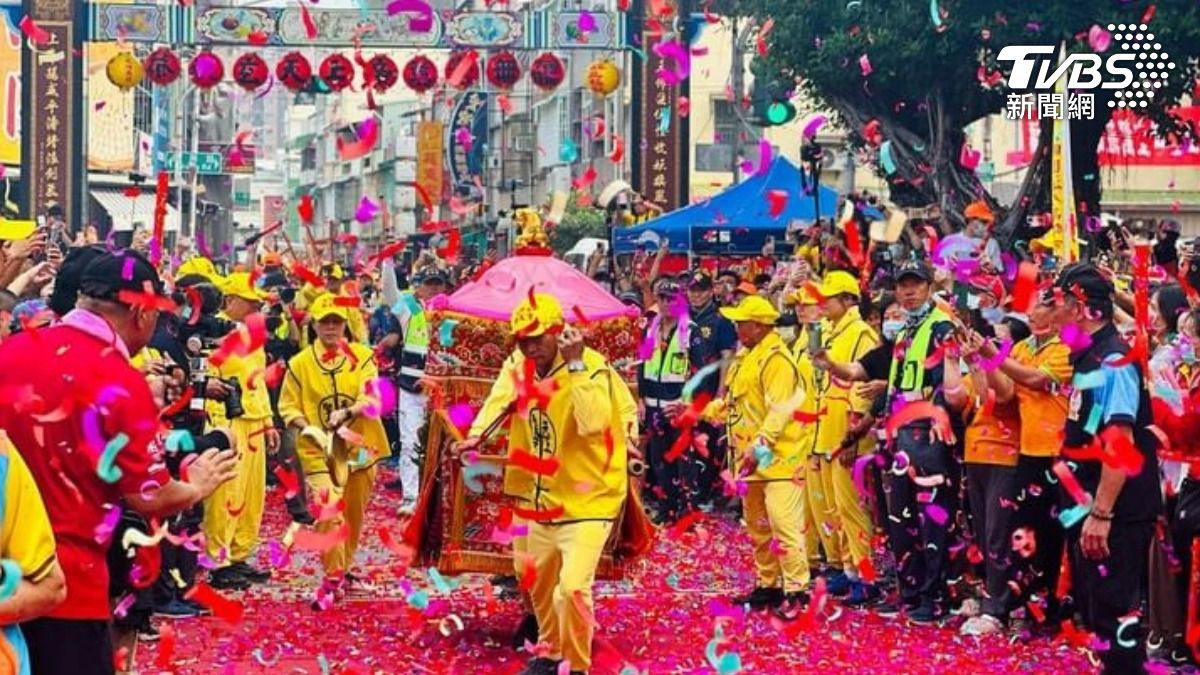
[[537, 315]]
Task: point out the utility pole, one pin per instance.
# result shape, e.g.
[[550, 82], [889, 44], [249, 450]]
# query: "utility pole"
[[737, 85]]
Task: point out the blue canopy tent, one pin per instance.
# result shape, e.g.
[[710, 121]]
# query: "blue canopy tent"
[[736, 221]]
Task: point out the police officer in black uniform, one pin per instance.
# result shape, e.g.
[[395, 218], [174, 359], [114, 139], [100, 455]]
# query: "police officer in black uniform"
[[1108, 548]]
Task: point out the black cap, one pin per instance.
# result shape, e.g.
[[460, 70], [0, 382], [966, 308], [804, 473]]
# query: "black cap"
[[1085, 282], [432, 275], [700, 281], [108, 275], [914, 268], [66, 282]]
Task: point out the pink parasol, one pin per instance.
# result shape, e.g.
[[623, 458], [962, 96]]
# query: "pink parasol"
[[498, 292]]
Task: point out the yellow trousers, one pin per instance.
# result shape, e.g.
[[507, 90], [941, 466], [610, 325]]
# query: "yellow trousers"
[[233, 512], [357, 494], [809, 525], [841, 520], [773, 511], [566, 557]]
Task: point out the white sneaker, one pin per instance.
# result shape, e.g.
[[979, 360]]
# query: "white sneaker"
[[984, 624], [969, 608]]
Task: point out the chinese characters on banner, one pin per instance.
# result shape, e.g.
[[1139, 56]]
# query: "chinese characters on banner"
[[1128, 140], [429, 161], [50, 130], [1131, 140], [660, 129]]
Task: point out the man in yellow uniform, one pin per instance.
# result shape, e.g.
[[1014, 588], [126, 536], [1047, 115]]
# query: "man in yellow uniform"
[[841, 520], [568, 524], [233, 513], [765, 387], [326, 387], [27, 548], [808, 312]]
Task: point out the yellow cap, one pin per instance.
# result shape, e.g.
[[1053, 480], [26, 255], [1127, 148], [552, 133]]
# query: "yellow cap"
[[537, 315], [238, 285], [326, 306], [839, 282], [14, 230], [754, 308], [201, 266], [333, 271]]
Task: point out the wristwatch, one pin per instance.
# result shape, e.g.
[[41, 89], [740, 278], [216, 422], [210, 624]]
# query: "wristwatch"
[[577, 367]]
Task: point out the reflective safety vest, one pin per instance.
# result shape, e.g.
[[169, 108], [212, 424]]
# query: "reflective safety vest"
[[416, 348], [665, 372], [912, 367]]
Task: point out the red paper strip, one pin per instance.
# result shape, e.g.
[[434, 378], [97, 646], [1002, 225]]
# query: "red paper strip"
[[310, 26], [1025, 288], [309, 540], [536, 465], [222, 607], [539, 516]]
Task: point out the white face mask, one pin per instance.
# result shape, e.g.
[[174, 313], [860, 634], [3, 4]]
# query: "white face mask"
[[891, 328]]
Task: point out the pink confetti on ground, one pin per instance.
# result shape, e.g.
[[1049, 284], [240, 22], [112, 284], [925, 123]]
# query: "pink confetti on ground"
[[657, 621]]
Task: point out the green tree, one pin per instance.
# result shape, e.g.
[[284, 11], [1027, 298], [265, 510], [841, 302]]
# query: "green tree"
[[928, 80], [578, 222]]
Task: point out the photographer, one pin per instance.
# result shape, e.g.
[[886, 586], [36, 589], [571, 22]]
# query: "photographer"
[[233, 514], [167, 356], [283, 342]]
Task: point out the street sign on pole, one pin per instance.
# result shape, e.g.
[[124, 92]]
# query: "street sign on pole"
[[205, 163]]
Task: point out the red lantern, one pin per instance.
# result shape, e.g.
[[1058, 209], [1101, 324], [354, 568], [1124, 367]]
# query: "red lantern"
[[206, 70], [420, 74], [503, 70], [293, 71], [462, 69], [250, 71], [337, 71], [381, 72], [162, 66], [547, 71]]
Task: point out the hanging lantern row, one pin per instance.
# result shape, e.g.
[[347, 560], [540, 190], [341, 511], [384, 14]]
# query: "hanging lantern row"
[[380, 73]]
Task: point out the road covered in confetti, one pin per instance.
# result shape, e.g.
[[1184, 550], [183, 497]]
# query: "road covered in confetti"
[[670, 616]]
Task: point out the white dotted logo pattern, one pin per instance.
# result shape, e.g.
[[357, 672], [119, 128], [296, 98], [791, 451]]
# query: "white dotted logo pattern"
[[1151, 67]]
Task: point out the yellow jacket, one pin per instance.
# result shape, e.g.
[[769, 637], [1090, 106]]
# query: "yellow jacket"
[[765, 387], [591, 480], [846, 341], [256, 401], [312, 389]]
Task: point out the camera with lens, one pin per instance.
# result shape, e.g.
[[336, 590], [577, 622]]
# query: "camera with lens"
[[199, 349]]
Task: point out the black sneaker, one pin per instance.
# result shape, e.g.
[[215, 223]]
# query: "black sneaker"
[[893, 608], [176, 609], [541, 666], [760, 598], [862, 594], [526, 632], [228, 579], [927, 614], [146, 632], [201, 610], [304, 518], [251, 574], [792, 607]]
